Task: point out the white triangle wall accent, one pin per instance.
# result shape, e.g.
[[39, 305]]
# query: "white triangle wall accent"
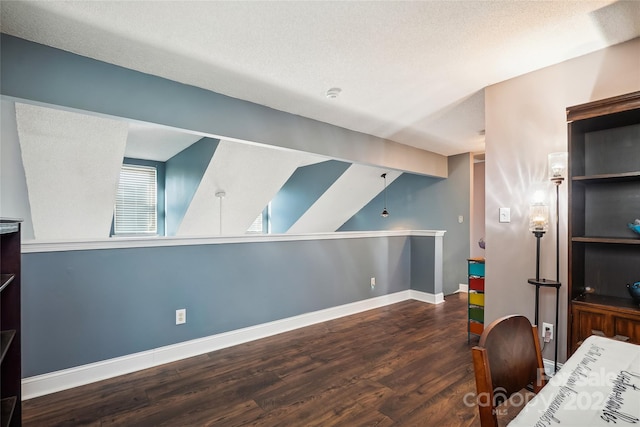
[[72, 166], [250, 175], [356, 187]]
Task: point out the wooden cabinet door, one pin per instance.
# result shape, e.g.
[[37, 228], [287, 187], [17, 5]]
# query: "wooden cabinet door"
[[587, 323], [609, 322], [627, 327]]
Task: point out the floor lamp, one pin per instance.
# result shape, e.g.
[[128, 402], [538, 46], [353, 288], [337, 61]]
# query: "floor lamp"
[[557, 169], [539, 225]]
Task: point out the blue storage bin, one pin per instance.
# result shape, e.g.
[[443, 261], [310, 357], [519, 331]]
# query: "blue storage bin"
[[476, 269]]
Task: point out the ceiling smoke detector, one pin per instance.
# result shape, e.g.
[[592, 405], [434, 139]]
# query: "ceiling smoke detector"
[[333, 93]]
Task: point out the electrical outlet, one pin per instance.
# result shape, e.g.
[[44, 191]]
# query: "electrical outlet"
[[547, 331], [181, 316], [373, 282]]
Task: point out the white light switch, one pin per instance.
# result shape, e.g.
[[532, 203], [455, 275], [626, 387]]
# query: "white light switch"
[[460, 219], [505, 214]]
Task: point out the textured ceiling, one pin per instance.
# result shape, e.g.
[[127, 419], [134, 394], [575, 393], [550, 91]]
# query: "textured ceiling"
[[155, 142], [413, 72]]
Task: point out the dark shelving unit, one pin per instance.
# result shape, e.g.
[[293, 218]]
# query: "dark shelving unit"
[[10, 352], [604, 196]]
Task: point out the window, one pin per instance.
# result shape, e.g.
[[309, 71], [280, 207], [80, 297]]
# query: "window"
[[261, 223], [136, 201]]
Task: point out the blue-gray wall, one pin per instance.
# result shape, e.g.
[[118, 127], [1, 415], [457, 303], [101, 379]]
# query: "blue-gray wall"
[[423, 268], [183, 173], [301, 190], [406, 202], [418, 202], [85, 306]]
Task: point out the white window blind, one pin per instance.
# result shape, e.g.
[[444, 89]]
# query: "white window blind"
[[261, 223], [136, 202], [256, 227]]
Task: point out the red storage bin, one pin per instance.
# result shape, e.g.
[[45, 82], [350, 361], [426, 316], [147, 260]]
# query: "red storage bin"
[[476, 284]]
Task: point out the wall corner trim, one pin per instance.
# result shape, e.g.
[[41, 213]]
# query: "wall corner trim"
[[52, 382]]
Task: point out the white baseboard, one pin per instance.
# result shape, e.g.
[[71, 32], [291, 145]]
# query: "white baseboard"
[[462, 287], [426, 297], [52, 382]]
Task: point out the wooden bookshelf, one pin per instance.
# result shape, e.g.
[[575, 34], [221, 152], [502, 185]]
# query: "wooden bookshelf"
[[10, 327], [604, 189]]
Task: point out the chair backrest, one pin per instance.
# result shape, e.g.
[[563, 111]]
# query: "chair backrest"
[[506, 360]]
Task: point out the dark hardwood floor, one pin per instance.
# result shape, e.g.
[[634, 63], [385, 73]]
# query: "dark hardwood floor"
[[407, 364]]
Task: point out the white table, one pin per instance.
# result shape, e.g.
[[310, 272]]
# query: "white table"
[[598, 386]]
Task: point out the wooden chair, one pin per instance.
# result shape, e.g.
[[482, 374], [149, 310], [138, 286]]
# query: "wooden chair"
[[506, 360]]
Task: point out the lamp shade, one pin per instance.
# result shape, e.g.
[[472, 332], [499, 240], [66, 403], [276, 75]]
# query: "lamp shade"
[[539, 217], [557, 165], [539, 193]]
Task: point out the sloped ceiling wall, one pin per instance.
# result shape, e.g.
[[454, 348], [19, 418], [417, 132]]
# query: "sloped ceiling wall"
[[348, 194], [72, 163], [249, 176], [72, 166], [183, 175], [304, 187]]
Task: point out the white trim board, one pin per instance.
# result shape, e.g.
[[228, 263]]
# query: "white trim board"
[[426, 297], [52, 382], [462, 287], [36, 246]]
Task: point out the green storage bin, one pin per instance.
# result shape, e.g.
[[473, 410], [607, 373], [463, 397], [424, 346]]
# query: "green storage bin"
[[477, 314]]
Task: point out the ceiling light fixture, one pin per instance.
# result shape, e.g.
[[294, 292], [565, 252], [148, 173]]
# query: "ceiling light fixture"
[[333, 93], [385, 212]]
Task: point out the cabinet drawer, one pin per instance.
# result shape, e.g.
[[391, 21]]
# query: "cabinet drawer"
[[476, 313], [476, 269], [476, 328], [476, 284], [476, 299]]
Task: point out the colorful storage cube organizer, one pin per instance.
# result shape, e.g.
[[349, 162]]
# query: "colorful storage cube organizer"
[[475, 323]]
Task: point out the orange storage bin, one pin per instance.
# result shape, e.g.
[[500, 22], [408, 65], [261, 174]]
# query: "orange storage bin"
[[476, 328]]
